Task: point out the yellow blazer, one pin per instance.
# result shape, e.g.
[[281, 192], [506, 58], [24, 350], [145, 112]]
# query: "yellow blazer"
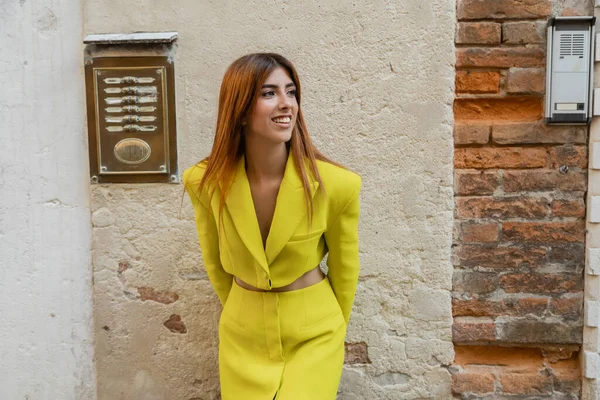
[[291, 248]]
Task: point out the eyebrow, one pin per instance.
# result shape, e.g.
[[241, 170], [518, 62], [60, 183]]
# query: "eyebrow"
[[275, 86]]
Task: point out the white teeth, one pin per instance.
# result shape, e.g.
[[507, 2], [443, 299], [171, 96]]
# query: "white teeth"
[[284, 120]]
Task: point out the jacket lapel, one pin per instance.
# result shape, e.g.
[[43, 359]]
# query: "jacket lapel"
[[241, 208], [290, 209]]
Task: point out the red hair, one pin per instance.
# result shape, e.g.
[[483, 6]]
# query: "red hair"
[[239, 92]]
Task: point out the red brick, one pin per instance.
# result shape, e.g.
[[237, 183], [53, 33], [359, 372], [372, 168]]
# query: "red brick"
[[479, 232], [523, 307], [471, 133], [175, 324], [568, 208], [568, 383], [526, 80], [475, 182], [513, 157], [523, 358], [526, 383], [571, 12], [543, 180], [544, 231], [478, 33], [569, 308], [569, 155], [523, 32], [511, 109], [537, 132], [489, 308], [571, 8], [495, 256], [356, 353], [474, 282], [147, 293], [567, 376], [500, 57], [567, 254], [503, 9], [537, 331], [508, 207], [541, 283], [555, 355], [476, 382], [455, 232], [476, 308], [469, 332], [509, 362], [477, 82]]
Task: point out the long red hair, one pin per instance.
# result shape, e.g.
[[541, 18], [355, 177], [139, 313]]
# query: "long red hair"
[[240, 89]]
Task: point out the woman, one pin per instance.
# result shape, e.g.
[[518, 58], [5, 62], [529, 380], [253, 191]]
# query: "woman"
[[269, 206]]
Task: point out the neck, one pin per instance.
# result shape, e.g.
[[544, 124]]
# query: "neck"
[[265, 163]]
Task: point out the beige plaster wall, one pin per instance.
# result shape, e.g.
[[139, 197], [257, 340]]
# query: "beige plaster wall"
[[378, 79], [46, 323]]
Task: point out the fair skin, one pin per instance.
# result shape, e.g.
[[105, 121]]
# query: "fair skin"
[[267, 130]]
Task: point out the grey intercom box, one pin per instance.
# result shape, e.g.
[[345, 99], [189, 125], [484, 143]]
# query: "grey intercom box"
[[569, 70]]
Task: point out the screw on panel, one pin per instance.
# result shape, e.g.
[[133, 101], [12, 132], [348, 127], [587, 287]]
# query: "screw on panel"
[[174, 179], [159, 71], [563, 169], [103, 168], [162, 168], [89, 61], [170, 60], [94, 179]]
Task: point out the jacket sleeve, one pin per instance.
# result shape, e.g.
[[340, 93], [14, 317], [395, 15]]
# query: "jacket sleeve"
[[206, 226], [343, 261]]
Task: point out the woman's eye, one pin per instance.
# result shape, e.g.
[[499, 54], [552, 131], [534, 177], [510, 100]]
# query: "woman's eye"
[[292, 93], [269, 93]]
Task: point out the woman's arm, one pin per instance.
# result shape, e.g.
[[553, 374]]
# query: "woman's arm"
[[343, 261], [206, 225]]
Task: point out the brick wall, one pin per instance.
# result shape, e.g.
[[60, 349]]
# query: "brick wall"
[[518, 251]]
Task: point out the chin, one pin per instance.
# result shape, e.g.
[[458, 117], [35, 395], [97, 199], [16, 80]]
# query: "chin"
[[287, 137], [275, 136], [281, 137]]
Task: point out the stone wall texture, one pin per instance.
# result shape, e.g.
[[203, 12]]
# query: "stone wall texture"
[[518, 248], [378, 86]]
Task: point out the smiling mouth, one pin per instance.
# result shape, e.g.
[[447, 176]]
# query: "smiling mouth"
[[282, 120]]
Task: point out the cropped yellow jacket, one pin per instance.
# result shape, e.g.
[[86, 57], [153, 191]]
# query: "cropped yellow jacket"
[[292, 248]]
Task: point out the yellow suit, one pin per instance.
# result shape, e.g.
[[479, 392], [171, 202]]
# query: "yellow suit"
[[285, 343]]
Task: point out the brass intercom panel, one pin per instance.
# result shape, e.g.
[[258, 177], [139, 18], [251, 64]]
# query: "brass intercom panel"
[[131, 119]]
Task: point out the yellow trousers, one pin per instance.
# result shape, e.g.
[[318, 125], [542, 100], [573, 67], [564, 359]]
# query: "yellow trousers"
[[281, 345]]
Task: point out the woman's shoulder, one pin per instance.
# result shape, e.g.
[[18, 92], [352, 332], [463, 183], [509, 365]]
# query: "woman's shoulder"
[[338, 180], [192, 177], [194, 173]]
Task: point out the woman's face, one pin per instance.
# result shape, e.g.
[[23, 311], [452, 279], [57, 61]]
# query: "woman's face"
[[276, 108]]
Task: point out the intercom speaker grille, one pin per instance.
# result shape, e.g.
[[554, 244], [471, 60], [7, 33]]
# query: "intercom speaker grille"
[[578, 42], [571, 44]]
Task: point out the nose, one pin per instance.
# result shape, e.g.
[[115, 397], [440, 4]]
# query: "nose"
[[285, 102]]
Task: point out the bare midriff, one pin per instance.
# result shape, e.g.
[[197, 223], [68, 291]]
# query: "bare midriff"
[[310, 278]]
